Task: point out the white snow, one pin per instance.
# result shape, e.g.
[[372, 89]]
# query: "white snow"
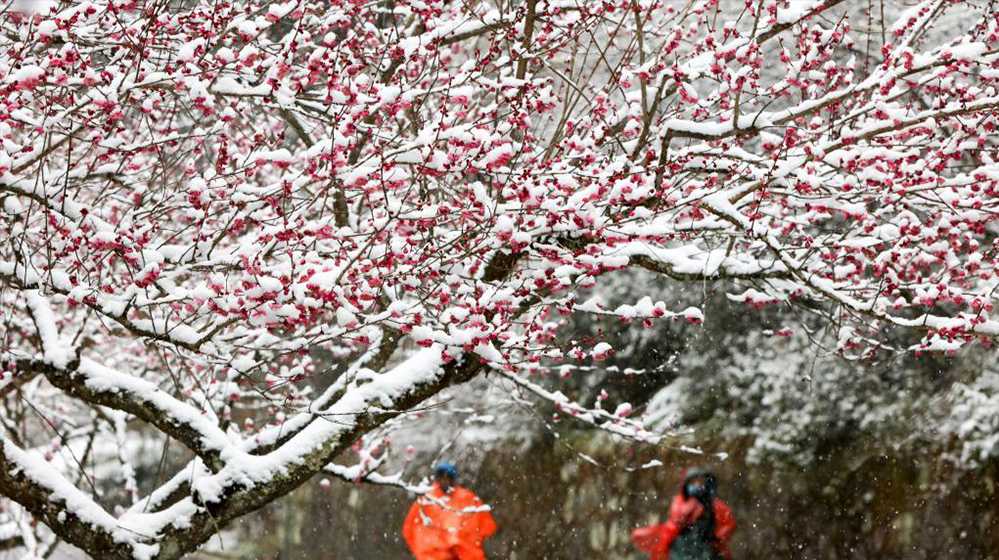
[[58, 352]]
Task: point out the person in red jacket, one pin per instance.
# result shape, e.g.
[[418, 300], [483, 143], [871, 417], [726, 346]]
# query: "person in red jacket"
[[699, 527], [449, 522]]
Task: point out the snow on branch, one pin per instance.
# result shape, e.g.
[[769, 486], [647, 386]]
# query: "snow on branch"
[[29, 480], [616, 423], [99, 385], [357, 474]]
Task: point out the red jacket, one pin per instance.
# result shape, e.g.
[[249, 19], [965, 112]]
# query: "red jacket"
[[655, 540], [448, 526]]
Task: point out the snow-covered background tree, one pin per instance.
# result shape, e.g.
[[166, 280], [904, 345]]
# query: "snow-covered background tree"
[[274, 233]]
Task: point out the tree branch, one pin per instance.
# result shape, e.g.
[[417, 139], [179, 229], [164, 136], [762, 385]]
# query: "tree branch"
[[72, 515], [91, 382]]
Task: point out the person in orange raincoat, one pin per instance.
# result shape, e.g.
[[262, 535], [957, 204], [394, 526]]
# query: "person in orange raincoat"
[[449, 522], [699, 527]]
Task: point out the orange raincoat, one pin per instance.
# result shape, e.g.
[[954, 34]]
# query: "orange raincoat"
[[448, 526]]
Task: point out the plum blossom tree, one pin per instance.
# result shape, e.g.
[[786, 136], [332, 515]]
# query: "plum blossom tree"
[[200, 198]]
